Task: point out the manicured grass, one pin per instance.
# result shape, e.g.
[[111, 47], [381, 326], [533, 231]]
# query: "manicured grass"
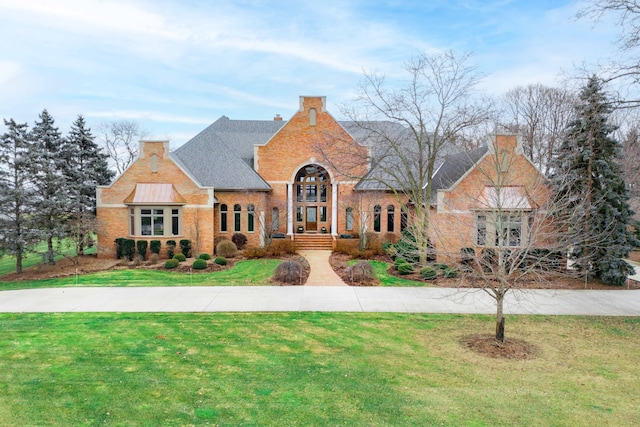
[[386, 279], [312, 369], [8, 263], [248, 272]]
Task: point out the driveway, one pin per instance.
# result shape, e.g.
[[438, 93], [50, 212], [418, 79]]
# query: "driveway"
[[318, 298]]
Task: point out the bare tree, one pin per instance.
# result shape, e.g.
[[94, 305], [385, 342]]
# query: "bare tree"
[[515, 234], [410, 126], [120, 139], [626, 67], [539, 114]]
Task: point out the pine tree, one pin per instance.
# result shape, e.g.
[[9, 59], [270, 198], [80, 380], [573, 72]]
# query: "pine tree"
[[588, 173], [17, 235], [50, 182], [87, 166]]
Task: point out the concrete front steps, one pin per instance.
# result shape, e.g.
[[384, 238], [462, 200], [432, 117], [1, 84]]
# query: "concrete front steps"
[[311, 241]]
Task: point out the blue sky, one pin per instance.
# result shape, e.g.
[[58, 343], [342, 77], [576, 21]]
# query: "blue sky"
[[177, 66]]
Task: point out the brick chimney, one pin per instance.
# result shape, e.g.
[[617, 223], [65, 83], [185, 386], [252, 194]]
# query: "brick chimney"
[[278, 118]]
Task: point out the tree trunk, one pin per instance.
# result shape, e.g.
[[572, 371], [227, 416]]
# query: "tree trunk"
[[50, 258], [499, 319]]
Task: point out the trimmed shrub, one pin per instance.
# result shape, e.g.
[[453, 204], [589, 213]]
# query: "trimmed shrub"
[[362, 271], [227, 249], [220, 260], [141, 245], [428, 273], [153, 258], [171, 263], [398, 262], [185, 247], [180, 257], [128, 248], [171, 248], [289, 272], [205, 257], [119, 242], [253, 253], [239, 239], [154, 246], [217, 240], [440, 266], [200, 264], [450, 273], [405, 268]]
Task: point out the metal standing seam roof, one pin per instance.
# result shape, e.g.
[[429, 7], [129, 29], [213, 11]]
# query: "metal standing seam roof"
[[154, 193]]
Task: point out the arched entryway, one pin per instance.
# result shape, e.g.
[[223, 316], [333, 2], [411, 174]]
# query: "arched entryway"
[[312, 199]]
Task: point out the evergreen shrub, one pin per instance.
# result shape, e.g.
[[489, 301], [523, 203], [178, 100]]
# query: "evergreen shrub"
[[199, 264], [428, 273], [450, 273], [220, 260], [405, 268], [141, 245], [171, 263], [180, 257], [185, 247], [205, 257], [171, 247], [128, 248], [154, 246]]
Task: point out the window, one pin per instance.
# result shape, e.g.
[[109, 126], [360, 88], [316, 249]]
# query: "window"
[[323, 214], [175, 222], [349, 219], [310, 182], [251, 216], [323, 193], [312, 117], [481, 230], [299, 213], [236, 218], [511, 226], [377, 218], [155, 221], [404, 220], [223, 217], [507, 230], [390, 218], [275, 219]]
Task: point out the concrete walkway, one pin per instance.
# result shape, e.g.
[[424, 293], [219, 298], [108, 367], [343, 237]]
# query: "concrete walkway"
[[317, 298], [321, 273]]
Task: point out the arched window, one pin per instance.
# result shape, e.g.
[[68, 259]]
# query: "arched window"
[[404, 220], [349, 219], [275, 219], [223, 218], [251, 215], [312, 183], [390, 218], [236, 218], [377, 218]]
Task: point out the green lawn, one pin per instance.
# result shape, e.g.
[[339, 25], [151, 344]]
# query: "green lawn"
[[248, 272], [386, 279], [304, 369], [8, 263]]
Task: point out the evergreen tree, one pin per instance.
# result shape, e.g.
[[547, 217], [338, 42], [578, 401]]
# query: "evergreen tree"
[[87, 166], [17, 235], [51, 201], [588, 173]]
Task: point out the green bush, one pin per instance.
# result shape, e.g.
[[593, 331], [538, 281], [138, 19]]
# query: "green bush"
[[405, 268], [440, 266], [428, 273], [450, 273], [185, 247], [200, 264], [154, 246], [128, 248], [141, 245], [180, 257], [119, 242], [227, 249], [398, 262], [171, 247], [205, 257], [220, 260], [171, 263]]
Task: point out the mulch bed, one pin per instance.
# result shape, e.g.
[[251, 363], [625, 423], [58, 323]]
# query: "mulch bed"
[[512, 348]]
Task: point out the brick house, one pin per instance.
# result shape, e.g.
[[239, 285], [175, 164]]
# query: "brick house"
[[286, 178]]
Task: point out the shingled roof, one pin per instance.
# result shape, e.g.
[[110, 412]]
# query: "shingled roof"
[[453, 168], [221, 155]]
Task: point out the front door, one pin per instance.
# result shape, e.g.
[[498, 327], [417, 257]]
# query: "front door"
[[312, 218]]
